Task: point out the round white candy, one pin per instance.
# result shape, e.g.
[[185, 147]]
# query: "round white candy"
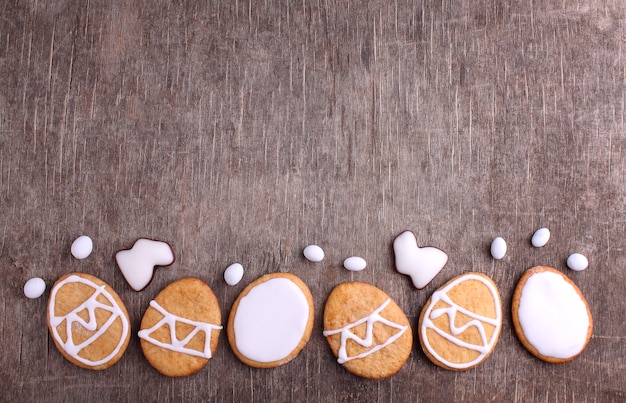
[[577, 262], [233, 274], [34, 288], [314, 253], [498, 248], [354, 263], [82, 247], [540, 237]]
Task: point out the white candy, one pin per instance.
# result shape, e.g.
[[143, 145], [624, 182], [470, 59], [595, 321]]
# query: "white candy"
[[233, 274], [82, 247], [354, 263], [314, 253], [577, 262], [540, 237], [34, 288], [498, 248]]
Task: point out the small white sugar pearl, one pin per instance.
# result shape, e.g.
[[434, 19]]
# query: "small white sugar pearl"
[[498, 248], [233, 274], [577, 262], [34, 288], [540, 237], [82, 247], [313, 253], [354, 263]]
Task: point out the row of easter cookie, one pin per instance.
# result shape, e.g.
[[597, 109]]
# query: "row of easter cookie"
[[271, 322]]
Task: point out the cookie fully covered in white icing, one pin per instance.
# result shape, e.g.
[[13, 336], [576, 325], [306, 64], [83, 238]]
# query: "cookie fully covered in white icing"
[[421, 264], [271, 320], [551, 316], [137, 263]]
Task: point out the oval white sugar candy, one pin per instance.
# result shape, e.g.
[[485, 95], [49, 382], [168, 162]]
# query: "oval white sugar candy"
[[313, 253], [498, 248], [577, 262], [540, 237], [233, 274], [34, 288], [82, 247], [354, 263]]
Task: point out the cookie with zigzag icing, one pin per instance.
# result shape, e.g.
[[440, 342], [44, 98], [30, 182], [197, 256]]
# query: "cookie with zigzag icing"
[[460, 324], [88, 321], [366, 330], [180, 329]]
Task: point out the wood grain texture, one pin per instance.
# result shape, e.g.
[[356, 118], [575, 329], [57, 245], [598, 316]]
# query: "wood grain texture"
[[245, 130]]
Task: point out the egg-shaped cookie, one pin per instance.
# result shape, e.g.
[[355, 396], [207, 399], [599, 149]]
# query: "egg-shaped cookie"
[[180, 329], [366, 330], [88, 321], [550, 315], [460, 324], [271, 320]]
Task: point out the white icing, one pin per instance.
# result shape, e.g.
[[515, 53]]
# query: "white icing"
[[421, 264], [233, 274], [498, 248], [81, 247], [367, 341], [72, 319], [34, 288], [553, 316], [540, 237], [577, 262], [314, 253], [137, 264], [354, 263], [477, 321], [270, 320], [169, 320]]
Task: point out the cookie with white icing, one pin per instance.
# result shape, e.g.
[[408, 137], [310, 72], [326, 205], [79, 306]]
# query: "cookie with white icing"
[[460, 324], [550, 315], [88, 321], [366, 330], [422, 264], [137, 263], [180, 328], [271, 320]]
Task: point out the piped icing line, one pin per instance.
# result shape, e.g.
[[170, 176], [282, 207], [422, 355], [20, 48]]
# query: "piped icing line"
[[371, 319], [177, 345], [91, 324], [451, 311], [477, 322]]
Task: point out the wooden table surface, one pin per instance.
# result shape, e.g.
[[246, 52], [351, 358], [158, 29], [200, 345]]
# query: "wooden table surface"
[[244, 131]]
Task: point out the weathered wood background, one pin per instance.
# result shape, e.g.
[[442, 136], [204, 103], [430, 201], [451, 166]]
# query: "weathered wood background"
[[243, 131]]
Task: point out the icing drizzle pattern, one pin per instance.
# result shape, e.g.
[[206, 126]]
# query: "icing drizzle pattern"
[[91, 324], [177, 345], [371, 319], [477, 321]]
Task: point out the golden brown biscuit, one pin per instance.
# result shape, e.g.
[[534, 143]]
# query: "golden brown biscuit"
[[180, 329], [461, 322], [366, 330], [88, 321], [550, 315], [271, 320]]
